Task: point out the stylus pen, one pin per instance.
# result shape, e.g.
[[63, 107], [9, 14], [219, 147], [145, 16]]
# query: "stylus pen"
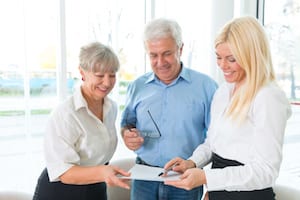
[[167, 170]]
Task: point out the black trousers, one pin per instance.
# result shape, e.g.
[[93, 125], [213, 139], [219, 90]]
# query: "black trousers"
[[264, 194], [46, 190]]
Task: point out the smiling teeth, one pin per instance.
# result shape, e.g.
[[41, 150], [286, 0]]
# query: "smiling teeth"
[[227, 73]]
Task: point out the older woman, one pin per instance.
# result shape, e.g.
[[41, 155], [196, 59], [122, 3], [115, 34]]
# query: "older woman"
[[80, 136]]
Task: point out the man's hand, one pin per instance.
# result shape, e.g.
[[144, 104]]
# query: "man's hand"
[[132, 139]]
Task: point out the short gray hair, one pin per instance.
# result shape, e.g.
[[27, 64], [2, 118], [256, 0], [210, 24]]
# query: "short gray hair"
[[97, 57], [163, 28]]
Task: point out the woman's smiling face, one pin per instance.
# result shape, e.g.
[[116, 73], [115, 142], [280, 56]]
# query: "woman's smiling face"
[[232, 71]]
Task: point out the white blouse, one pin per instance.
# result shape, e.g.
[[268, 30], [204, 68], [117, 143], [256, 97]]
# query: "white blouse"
[[75, 136], [257, 143]]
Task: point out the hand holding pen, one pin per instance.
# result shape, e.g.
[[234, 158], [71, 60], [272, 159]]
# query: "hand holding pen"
[[178, 165], [166, 170]]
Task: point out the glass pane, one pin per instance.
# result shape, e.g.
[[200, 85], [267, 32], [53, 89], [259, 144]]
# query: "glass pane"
[[28, 70], [282, 23], [27, 87], [113, 23], [196, 34]]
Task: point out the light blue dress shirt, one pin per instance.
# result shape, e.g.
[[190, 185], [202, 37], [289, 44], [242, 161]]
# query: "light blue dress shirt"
[[181, 111]]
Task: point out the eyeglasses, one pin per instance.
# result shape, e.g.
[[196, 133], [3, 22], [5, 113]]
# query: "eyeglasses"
[[146, 134], [154, 134]]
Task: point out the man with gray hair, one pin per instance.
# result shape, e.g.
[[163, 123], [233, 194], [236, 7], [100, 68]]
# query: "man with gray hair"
[[166, 113]]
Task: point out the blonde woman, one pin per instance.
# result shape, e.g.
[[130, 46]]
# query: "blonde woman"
[[248, 119]]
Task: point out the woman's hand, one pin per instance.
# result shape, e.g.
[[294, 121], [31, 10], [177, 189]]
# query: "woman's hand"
[[179, 165], [190, 179], [81, 175], [112, 179]]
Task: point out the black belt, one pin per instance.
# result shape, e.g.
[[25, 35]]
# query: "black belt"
[[219, 162], [264, 194], [140, 161]]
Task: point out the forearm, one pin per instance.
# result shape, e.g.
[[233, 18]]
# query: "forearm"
[[201, 155], [80, 175]]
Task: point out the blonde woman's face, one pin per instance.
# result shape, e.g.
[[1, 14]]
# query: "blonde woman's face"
[[232, 71]]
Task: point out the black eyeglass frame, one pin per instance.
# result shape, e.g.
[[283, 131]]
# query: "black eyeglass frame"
[[145, 134]]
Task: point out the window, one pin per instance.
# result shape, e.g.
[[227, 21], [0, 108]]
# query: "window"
[[112, 23], [281, 21], [27, 74], [195, 30], [29, 71]]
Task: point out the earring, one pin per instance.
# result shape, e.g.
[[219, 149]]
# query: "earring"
[[82, 79]]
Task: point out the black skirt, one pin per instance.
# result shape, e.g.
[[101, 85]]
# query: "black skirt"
[[46, 190], [264, 194]]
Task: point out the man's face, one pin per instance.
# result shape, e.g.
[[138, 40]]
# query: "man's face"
[[164, 57]]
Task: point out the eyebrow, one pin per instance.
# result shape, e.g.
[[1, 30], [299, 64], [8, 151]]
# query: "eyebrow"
[[164, 52], [225, 56]]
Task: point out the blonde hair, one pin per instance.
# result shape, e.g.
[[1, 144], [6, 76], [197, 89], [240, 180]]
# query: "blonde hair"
[[249, 45]]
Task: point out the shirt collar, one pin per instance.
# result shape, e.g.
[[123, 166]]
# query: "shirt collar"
[[80, 102], [184, 74]]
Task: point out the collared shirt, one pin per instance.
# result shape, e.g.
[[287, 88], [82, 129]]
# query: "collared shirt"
[[75, 136], [180, 110], [257, 143]]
